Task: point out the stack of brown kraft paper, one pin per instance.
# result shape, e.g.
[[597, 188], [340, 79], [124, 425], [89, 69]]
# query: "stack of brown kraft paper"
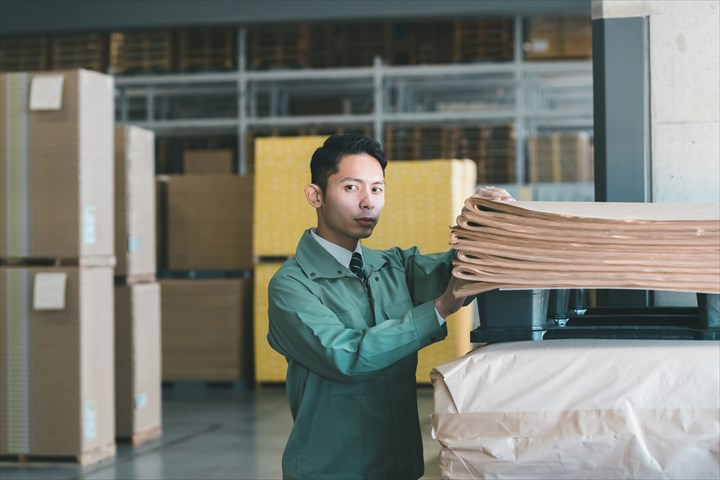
[[525, 245]]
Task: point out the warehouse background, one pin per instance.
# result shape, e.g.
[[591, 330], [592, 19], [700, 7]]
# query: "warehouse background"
[[217, 107]]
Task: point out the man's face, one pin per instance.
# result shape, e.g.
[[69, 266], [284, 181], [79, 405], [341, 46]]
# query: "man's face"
[[353, 200]]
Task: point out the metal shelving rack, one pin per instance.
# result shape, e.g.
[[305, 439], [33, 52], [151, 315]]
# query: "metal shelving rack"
[[534, 96]]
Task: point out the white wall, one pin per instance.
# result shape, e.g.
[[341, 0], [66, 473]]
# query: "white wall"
[[684, 43]]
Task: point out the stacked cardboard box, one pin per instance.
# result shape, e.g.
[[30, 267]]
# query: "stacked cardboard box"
[[209, 222], [137, 294], [206, 321], [205, 329], [208, 161], [56, 265], [559, 38], [422, 201], [560, 158]]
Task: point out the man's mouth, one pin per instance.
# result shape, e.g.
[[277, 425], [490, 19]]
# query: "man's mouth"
[[365, 221]]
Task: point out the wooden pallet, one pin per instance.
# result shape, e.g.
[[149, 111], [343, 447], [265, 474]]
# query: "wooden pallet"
[[361, 43], [135, 279], [88, 50], [430, 43], [87, 261], [139, 438], [414, 143], [280, 46], [141, 52], [324, 46], [206, 50], [84, 458], [24, 54], [484, 39]]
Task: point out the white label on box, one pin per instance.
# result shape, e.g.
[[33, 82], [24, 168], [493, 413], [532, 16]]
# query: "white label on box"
[[134, 243], [141, 401], [89, 225], [46, 92], [90, 420], [49, 291], [540, 45]]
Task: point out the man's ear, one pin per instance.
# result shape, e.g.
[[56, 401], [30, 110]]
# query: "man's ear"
[[313, 195]]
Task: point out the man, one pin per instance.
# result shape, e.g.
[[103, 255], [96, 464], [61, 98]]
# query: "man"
[[351, 339]]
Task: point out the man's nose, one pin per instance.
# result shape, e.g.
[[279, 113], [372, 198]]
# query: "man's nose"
[[366, 201]]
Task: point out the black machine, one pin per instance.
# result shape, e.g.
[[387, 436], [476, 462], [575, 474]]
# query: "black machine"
[[541, 314]]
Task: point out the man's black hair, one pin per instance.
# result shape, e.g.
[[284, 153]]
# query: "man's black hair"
[[325, 160]]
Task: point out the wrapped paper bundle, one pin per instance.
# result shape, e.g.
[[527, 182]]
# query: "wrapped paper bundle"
[[525, 245]]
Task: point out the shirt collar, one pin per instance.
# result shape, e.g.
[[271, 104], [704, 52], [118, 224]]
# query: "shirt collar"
[[342, 255]]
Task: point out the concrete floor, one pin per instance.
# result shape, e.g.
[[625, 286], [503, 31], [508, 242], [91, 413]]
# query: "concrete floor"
[[210, 433]]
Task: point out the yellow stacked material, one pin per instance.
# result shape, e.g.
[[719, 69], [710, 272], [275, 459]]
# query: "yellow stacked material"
[[270, 366], [282, 169], [422, 201]]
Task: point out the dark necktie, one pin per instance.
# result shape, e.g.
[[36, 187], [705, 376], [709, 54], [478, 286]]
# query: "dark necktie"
[[356, 265]]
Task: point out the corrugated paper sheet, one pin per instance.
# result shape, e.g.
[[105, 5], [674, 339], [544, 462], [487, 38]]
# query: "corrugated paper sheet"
[[655, 246], [580, 409]]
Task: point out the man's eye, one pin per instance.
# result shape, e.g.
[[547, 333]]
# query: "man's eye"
[[351, 187], [377, 190]]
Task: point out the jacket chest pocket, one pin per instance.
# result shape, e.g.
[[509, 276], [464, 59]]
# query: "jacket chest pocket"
[[397, 310], [356, 320]]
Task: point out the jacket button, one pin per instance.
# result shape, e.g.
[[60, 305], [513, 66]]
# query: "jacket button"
[[313, 274], [377, 279]]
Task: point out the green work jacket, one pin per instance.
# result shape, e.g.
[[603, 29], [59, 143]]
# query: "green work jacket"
[[351, 348]]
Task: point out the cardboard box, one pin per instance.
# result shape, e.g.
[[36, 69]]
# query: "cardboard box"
[[560, 158], [138, 395], [210, 222], [207, 161], [57, 362], [135, 226], [56, 165], [206, 329], [579, 409]]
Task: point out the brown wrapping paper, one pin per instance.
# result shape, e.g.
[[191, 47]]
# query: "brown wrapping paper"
[[580, 408]]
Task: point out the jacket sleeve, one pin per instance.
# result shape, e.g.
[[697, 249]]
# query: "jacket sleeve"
[[303, 329]]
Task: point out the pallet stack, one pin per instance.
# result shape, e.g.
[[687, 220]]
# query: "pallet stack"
[[282, 171], [484, 40], [137, 294], [56, 266], [81, 50], [280, 46], [141, 52], [210, 49], [24, 54], [206, 286]]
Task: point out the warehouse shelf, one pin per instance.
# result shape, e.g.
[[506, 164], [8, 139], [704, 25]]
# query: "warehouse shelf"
[[533, 96]]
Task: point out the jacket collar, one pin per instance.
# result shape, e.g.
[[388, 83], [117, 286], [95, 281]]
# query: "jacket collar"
[[317, 262]]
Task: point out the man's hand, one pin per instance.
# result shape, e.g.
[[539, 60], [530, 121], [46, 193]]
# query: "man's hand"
[[446, 304], [494, 193]]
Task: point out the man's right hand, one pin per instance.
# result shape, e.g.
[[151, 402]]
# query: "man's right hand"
[[447, 304]]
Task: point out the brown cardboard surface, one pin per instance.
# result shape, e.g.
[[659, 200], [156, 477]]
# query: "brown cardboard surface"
[[580, 408], [208, 161], [210, 222], [57, 365], [206, 329], [135, 227], [138, 395], [56, 168]]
